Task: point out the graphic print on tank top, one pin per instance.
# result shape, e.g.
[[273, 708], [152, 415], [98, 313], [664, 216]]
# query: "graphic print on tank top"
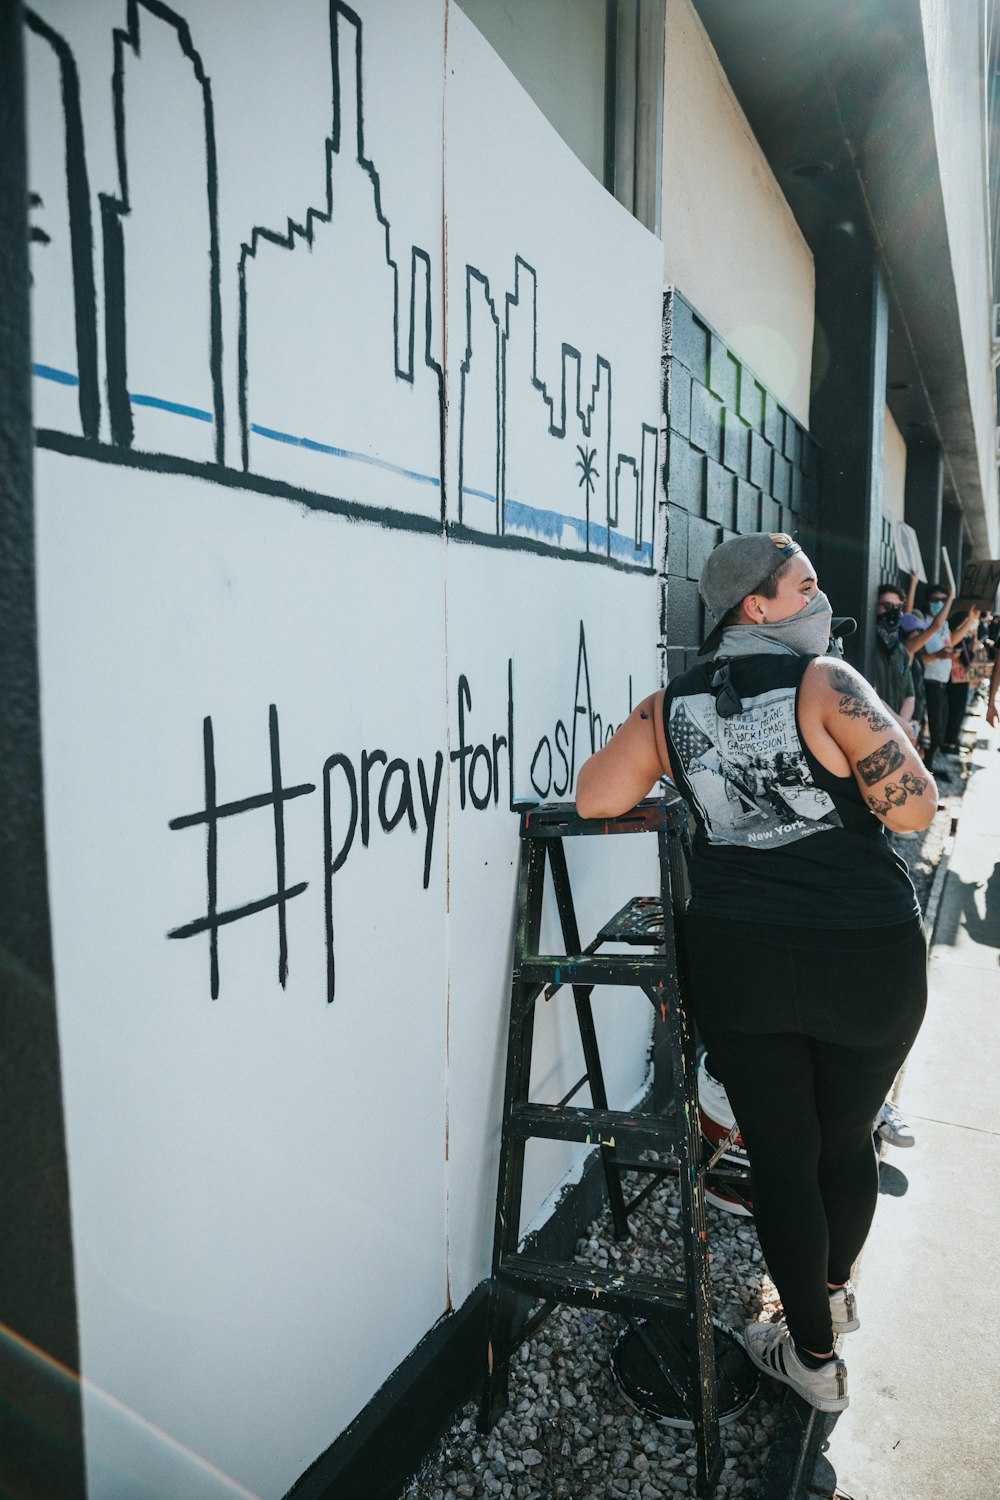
[[748, 775]]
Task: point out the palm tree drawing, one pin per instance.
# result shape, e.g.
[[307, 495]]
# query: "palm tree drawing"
[[588, 469]]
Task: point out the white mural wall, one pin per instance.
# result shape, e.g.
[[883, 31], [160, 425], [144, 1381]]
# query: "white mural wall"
[[345, 543], [557, 438]]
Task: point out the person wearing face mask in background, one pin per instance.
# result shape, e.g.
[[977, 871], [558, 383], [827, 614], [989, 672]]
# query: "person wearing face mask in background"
[[957, 690], [892, 676], [912, 632], [937, 673], [805, 958]]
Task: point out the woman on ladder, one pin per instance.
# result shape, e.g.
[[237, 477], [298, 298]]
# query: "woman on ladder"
[[804, 949]]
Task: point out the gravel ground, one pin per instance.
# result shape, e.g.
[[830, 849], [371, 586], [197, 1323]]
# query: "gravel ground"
[[569, 1434]]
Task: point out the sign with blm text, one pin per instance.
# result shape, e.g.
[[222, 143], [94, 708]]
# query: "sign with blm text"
[[980, 581]]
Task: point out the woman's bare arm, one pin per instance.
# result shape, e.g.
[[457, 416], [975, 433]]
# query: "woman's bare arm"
[[991, 691], [892, 778], [961, 631], [628, 767], [915, 642]]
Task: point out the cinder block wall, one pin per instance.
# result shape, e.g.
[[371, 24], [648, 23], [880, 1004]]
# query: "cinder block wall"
[[736, 461]]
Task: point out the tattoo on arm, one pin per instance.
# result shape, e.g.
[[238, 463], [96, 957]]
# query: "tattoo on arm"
[[881, 763], [908, 786], [855, 702], [861, 710], [897, 792]]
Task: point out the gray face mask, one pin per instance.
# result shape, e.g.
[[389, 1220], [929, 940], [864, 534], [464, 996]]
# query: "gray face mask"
[[804, 634]]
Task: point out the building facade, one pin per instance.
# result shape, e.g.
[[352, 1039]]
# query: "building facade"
[[374, 382]]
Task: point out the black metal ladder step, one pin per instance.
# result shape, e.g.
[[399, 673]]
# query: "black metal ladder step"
[[666, 1124], [639, 921], [593, 1127], [727, 1176], [650, 971], [568, 1281]]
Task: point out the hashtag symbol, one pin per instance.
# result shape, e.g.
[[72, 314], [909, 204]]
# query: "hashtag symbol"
[[211, 815]]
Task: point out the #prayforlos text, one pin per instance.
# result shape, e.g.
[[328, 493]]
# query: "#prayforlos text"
[[370, 790]]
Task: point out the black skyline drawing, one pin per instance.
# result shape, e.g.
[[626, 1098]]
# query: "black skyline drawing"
[[618, 484], [573, 411], [344, 146], [115, 212], [80, 228]]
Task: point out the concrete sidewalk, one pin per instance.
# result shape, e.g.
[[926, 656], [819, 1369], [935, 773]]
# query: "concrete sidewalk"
[[924, 1369]]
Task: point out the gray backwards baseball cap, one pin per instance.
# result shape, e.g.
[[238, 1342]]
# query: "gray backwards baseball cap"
[[736, 568]]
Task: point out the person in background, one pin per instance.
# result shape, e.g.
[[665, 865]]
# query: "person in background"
[[892, 676], [937, 663], [805, 957], [991, 692], [963, 635], [912, 634], [993, 635]]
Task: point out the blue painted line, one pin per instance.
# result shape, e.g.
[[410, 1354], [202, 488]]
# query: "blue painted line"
[[173, 406], [624, 547], [546, 523], [362, 458], [48, 372], [550, 525]]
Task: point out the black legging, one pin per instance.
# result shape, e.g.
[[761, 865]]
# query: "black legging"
[[957, 694], [937, 718], [807, 1030]]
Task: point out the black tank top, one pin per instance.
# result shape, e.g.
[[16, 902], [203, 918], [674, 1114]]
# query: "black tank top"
[[779, 839]]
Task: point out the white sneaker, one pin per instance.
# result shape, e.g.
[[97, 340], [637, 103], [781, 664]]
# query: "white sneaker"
[[770, 1347], [844, 1309], [891, 1126]]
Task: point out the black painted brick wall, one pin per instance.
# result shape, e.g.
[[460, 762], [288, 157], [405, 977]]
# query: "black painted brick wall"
[[736, 461]]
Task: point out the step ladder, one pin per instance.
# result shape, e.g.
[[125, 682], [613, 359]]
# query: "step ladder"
[[671, 1319]]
